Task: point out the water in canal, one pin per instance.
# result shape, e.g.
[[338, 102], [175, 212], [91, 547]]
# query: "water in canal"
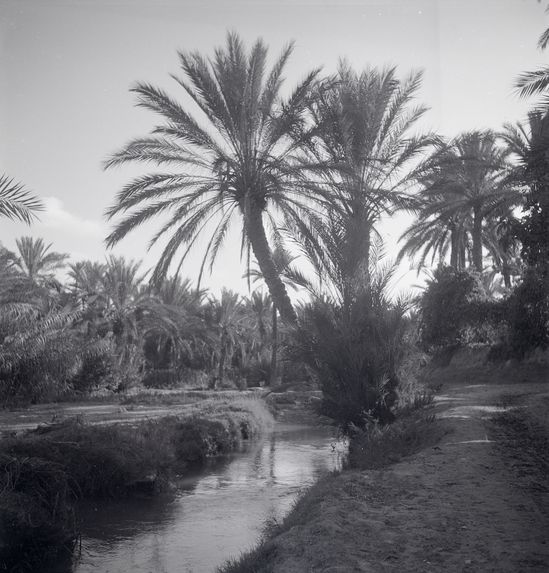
[[214, 515]]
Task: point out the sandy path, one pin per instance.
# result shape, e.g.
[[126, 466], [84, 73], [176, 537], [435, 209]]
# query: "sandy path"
[[460, 506]]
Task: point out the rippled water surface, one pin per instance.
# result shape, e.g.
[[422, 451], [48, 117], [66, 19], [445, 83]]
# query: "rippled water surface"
[[214, 515]]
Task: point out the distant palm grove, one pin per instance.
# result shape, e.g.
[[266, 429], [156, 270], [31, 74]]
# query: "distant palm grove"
[[309, 174]]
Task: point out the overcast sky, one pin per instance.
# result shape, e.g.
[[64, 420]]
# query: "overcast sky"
[[66, 68]]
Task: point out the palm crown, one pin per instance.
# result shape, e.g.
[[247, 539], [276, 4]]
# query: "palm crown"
[[370, 159], [240, 161]]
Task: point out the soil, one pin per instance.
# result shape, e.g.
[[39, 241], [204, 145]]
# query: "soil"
[[475, 502]]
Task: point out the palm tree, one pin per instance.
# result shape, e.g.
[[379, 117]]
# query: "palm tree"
[[134, 315], [529, 145], [536, 81], [260, 307], [292, 278], [227, 317], [370, 162], [467, 184], [16, 202], [241, 160], [436, 233], [36, 261]]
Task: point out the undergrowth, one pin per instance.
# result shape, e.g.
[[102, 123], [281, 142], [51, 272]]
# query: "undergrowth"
[[377, 446]]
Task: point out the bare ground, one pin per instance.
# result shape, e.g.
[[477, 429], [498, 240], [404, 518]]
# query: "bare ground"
[[476, 502]]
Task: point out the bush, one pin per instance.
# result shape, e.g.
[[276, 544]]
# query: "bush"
[[528, 315], [165, 378], [446, 306], [94, 372], [355, 354], [376, 446], [37, 518]]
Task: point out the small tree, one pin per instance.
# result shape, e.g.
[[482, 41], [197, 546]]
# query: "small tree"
[[445, 306]]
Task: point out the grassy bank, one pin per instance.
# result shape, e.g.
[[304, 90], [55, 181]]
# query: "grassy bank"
[[320, 511], [43, 473]]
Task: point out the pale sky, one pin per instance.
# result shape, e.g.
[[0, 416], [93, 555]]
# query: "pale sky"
[[66, 67]]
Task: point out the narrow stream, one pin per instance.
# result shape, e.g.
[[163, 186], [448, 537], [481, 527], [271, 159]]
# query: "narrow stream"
[[214, 515]]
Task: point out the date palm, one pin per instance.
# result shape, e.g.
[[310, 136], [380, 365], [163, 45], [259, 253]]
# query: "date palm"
[[36, 261], [293, 278], [16, 202], [432, 235], [234, 154], [371, 160], [227, 317], [467, 185], [529, 146]]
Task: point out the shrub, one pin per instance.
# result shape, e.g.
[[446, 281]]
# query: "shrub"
[[376, 446], [37, 519], [445, 306], [528, 314], [355, 354], [164, 378], [94, 372]]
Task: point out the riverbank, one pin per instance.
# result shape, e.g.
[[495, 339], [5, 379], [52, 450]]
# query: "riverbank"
[[46, 471], [475, 501]]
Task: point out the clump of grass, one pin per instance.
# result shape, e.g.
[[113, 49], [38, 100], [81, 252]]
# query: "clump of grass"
[[377, 446]]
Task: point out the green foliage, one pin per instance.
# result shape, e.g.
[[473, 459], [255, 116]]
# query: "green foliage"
[[465, 189], [445, 306], [238, 160], [377, 446], [355, 354], [37, 518], [16, 202], [527, 314]]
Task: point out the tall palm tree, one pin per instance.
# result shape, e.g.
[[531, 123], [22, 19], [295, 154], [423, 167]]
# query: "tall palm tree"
[[227, 317], [233, 155], [292, 278], [36, 261], [132, 315], [467, 184], [529, 145], [436, 233], [371, 159], [16, 202], [504, 248], [87, 279]]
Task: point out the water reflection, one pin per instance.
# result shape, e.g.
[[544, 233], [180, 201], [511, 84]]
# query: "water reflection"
[[213, 515]]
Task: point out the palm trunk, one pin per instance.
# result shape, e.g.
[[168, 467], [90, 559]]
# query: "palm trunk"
[[506, 272], [477, 239], [454, 249], [263, 254], [222, 358], [274, 348], [461, 258]]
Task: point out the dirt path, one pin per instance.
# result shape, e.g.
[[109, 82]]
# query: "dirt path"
[[475, 502]]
